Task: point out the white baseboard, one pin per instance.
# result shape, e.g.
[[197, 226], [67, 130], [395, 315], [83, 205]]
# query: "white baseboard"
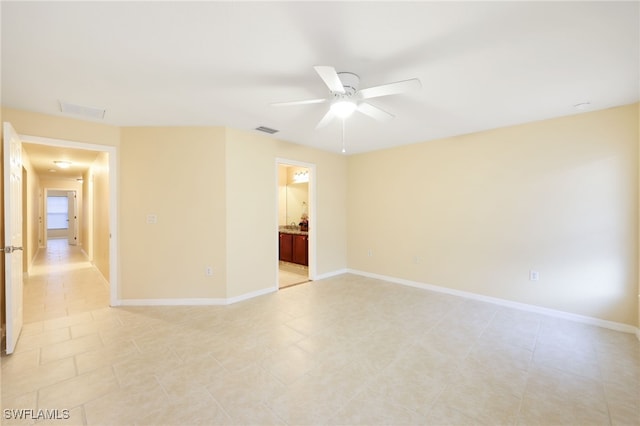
[[86, 254], [32, 260], [172, 302], [250, 295], [626, 328], [331, 274], [200, 301]]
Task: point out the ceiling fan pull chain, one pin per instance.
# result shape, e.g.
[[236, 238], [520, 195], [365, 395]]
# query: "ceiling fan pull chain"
[[343, 148]]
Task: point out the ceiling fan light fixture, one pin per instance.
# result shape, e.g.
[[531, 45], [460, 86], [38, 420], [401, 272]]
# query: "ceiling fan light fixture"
[[343, 108]]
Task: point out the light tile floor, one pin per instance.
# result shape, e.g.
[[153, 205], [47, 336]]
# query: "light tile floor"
[[291, 274], [343, 351]]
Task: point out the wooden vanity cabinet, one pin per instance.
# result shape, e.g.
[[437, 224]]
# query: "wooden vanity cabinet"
[[286, 247], [294, 248], [301, 249]]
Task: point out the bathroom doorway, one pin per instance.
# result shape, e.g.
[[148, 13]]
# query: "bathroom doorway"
[[295, 219]]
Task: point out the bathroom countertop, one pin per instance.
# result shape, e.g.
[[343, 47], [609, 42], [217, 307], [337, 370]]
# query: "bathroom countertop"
[[295, 231]]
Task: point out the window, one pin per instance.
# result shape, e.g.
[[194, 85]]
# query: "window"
[[57, 212]]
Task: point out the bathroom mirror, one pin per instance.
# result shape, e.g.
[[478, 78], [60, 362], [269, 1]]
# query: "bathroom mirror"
[[297, 201]]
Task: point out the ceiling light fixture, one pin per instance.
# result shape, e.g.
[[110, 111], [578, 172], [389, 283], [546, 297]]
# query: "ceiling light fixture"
[[63, 164], [343, 107], [301, 176]]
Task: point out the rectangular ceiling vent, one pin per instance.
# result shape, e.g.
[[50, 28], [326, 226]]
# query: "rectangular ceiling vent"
[[266, 130], [85, 111]]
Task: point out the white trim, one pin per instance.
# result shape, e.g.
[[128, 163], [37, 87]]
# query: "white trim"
[[173, 302], [626, 328], [195, 301], [332, 274], [32, 261], [251, 295], [62, 143], [114, 273], [86, 255]]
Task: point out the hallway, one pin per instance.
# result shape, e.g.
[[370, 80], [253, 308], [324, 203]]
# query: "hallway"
[[62, 283]]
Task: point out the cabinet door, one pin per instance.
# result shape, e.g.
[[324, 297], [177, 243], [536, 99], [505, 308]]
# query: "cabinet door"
[[286, 247], [301, 249]]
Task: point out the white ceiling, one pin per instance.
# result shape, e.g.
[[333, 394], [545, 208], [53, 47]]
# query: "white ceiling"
[[482, 64]]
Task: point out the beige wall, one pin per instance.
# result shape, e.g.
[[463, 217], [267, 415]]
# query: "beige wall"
[[183, 175], [252, 239], [32, 191], [176, 174], [476, 213], [98, 225], [49, 126], [86, 236]]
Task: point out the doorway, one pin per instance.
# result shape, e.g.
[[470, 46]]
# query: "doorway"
[[296, 222], [99, 199], [61, 215]]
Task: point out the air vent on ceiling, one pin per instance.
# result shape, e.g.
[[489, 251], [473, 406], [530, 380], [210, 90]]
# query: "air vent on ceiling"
[[85, 111], [266, 130]]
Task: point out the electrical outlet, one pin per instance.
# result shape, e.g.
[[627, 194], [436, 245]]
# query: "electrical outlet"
[[152, 219], [370, 253], [534, 275], [417, 260], [208, 271]]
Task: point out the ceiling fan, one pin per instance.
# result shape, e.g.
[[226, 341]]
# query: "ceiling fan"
[[345, 97]]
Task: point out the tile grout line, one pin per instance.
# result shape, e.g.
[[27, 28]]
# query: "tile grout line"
[[529, 368]]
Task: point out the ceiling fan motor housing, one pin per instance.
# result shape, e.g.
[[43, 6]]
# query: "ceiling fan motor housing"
[[350, 81]]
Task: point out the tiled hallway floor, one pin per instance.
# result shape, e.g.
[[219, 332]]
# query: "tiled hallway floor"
[[346, 350]]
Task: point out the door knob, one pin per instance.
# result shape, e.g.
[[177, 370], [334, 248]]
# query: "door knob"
[[10, 249]]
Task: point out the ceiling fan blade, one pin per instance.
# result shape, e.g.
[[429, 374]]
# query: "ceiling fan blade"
[[303, 102], [328, 117], [374, 112], [330, 78], [390, 89]]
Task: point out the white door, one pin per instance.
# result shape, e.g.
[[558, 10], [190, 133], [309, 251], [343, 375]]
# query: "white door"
[[13, 234], [73, 218]]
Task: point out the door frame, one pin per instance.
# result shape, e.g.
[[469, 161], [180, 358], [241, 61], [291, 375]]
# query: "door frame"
[[72, 218], [312, 214], [113, 200]]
